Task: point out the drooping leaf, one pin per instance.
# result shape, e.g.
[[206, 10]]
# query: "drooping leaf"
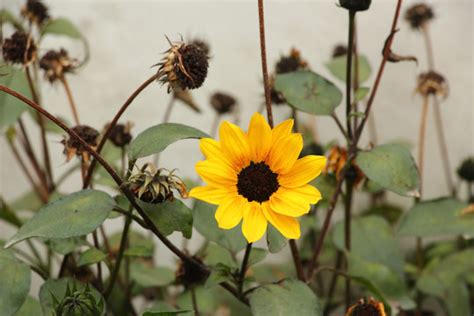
[[61, 26], [10, 107], [15, 279], [290, 297], [149, 276], [74, 215], [275, 240], [30, 307], [206, 225], [91, 256], [170, 216], [309, 92], [156, 138], [440, 217], [256, 255], [337, 66], [392, 167]]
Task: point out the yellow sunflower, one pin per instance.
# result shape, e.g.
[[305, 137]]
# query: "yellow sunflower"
[[257, 176]]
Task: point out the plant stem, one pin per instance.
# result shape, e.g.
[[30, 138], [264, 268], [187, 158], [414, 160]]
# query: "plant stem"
[[169, 108], [294, 116], [243, 268], [428, 46], [100, 285], [263, 52], [332, 284], [114, 122], [350, 51], [137, 219], [339, 124], [194, 300], [421, 140], [347, 234], [72, 104], [215, 124], [297, 260]]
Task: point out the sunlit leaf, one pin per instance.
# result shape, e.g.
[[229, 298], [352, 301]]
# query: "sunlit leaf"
[[275, 240], [91, 256], [337, 66]]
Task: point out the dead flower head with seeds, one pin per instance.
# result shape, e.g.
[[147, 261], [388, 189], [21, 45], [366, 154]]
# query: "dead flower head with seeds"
[[256, 177]]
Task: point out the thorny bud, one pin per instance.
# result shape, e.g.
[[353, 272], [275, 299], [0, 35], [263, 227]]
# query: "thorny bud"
[[202, 44], [433, 83], [188, 274], [57, 63], [418, 15], [184, 66], [337, 158], [339, 50], [35, 12], [77, 302], [73, 147], [355, 5], [154, 185], [120, 134], [292, 62], [371, 307], [223, 103], [19, 49], [466, 170], [186, 97]]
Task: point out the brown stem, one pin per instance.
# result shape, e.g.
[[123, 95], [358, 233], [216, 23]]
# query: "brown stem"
[[100, 285], [243, 268], [350, 51], [194, 300], [72, 104], [294, 116], [332, 284], [428, 45], [355, 80], [339, 124], [263, 51], [347, 234], [114, 122], [297, 260], [421, 140]]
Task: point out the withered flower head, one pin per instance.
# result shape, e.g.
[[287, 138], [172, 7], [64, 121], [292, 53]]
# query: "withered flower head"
[[154, 185], [35, 12], [120, 134], [73, 147], [339, 50], [432, 82], [222, 102], [371, 307], [337, 158], [186, 97], [19, 49], [184, 66], [292, 62], [57, 63], [418, 15], [201, 44], [466, 169], [355, 5], [188, 274]]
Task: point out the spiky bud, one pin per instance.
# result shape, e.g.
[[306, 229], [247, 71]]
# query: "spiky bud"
[[77, 303], [188, 274]]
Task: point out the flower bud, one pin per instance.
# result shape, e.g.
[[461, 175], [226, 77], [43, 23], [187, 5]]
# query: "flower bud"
[[188, 274], [355, 5]]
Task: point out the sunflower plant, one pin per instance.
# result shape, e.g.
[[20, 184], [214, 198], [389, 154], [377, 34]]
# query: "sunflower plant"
[[267, 224]]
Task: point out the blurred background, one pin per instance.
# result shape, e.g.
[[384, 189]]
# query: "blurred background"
[[127, 37]]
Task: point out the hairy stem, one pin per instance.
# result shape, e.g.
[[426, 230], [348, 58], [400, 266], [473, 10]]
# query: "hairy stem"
[[263, 52]]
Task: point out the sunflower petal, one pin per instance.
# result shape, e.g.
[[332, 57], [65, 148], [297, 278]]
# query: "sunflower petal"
[[212, 150], [294, 202], [286, 225], [229, 214], [216, 173], [254, 223], [260, 137], [234, 144], [303, 171], [211, 195], [282, 130], [284, 153]]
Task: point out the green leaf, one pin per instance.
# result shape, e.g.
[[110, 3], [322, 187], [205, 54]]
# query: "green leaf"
[[390, 212], [10, 107], [7, 17], [8, 215], [372, 239], [337, 66], [61, 26], [290, 297], [170, 216], [216, 255], [15, 279], [74, 215], [361, 93], [149, 276], [161, 308], [156, 138], [392, 167], [65, 246], [208, 300], [309, 92], [30, 307], [256, 255], [170, 313], [275, 240], [57, 288], [91, 256], [440, 217], [206, 225], [139, 245]]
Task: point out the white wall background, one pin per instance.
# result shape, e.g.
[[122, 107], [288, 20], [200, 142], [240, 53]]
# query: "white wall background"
[[126, 38]]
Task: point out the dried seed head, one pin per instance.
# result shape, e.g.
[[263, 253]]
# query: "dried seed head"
[[433, 83], [188, 274], [292, 62], [73, 147], [35, 12], [154, 185], [223, 103], [184, 66], [355, 5], [339, 50], [19, 49], [418, 15], [371, 307], [337, 158], [466, 170], [202, 44], [120, 134], [57, 63], [186, 97]]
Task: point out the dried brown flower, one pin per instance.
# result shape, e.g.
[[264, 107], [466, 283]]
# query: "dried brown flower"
[[371, 307], [418, 15], [201, 44], [339, 50], [433, 83], [35, 12], [337, 158], [72, 147], [188, 274], [223, 103], [292, 62], [56, 64], [120, 134], [19, 49], [466, 170]]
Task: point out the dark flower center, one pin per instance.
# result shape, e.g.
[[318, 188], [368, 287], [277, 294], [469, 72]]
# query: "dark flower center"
[[257, 182], [365, 310]]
